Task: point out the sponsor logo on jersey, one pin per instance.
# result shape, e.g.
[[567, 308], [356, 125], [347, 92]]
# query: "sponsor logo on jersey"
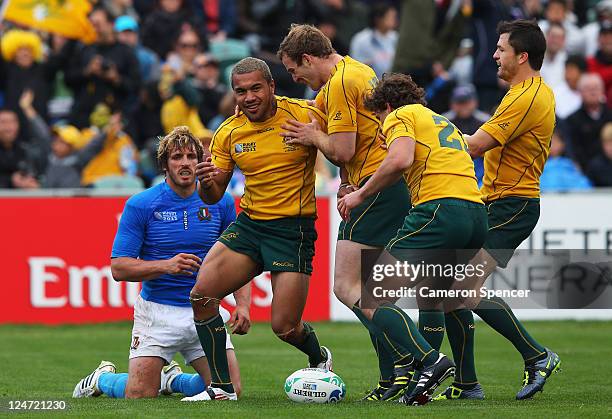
[[245, 147], [504, 125], [338, 116], [135, 342], [287, 148], [204, 214], [282, 264], [261, 131], [165, 215]]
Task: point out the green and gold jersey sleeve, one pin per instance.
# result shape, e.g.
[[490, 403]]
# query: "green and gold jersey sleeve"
[[221, 143], [523, 125]]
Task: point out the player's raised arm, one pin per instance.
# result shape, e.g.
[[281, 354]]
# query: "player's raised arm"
[[212, 181]]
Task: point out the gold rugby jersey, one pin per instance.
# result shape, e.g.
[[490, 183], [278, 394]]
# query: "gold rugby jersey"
[[279, 177], [342, 99], [523, 125], [442, 167]]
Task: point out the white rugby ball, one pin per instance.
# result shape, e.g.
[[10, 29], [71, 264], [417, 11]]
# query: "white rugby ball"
[[314, 385]]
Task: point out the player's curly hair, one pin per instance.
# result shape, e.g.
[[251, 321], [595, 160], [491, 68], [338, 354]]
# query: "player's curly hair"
[[305, 39], [180, 137], [395, 89]]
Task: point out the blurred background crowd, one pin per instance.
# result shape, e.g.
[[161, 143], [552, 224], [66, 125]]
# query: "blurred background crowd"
[[77, 114]]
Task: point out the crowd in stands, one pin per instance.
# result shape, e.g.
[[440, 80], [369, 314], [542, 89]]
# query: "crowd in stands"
[[89, 115]]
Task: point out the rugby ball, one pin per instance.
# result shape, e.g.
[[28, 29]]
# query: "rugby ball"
[[314, 385]]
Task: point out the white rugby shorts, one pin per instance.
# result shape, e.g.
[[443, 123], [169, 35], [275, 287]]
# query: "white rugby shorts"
[[162, 330]]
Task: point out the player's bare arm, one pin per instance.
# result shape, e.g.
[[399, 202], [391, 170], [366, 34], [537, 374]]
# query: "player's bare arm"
[[138, 270], [399, 159], [345, 186], [480, 142], [240, 321], [339, 147], [213, 181]]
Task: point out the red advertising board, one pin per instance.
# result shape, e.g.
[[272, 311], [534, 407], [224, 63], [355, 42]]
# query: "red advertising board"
[[56, 263]]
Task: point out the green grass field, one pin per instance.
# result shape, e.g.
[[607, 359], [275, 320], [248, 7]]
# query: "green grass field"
[[45, 363]]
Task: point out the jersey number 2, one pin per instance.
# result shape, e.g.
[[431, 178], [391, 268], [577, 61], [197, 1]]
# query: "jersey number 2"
[[447, 131]]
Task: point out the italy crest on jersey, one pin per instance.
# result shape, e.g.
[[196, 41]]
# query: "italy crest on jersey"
[[203, 214]]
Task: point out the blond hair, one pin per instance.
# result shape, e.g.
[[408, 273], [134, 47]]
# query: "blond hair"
[[179, 138], [305, 39]]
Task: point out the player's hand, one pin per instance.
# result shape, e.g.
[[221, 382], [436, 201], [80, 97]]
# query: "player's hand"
[[205, 172], [302, 133], [240, 321], [348, 202], [383, 141], [345, 189], [183, 264]]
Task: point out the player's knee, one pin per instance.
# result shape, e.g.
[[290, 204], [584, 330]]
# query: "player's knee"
[[286, 330], [141, 392], [202, 302], [346, 293]]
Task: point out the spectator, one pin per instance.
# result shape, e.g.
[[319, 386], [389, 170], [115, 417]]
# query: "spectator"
[[127, 32], [145, 123], [567, 96], [464, 114], [560, 172], [591, 30], [164, 25], [557, 12], [462, 67], [180, 59], [599, 168], [553, 66], [118, 155], [219, 16], [329, 26], [487, 14], [68, 150], [206, 82], [23, 68], [601, 62], [106, 71], [532, 9], [347, 16], [18, 163], [375, 45], [585, 124], [120, 8], [180, 103], [422, 41]]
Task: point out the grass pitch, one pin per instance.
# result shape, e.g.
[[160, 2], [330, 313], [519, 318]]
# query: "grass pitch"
[[45, 363]]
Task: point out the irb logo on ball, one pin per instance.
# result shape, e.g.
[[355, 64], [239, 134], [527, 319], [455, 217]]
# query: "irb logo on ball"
[[315, 385]]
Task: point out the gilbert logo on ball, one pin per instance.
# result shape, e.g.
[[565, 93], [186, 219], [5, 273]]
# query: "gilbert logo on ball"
[[315, 385]]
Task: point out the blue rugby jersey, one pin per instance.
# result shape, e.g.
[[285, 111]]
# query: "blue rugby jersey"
[[158, 224]]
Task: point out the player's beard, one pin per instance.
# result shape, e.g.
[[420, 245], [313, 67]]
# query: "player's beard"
[[177, 180]]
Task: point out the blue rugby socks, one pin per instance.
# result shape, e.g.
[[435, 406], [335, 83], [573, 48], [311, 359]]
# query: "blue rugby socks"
[[113, 385]]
